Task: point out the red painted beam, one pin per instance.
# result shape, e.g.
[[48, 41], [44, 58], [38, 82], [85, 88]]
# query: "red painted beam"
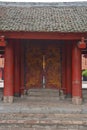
[[43, 35]]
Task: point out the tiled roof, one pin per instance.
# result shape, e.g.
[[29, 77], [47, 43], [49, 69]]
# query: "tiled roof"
[[43, 17]]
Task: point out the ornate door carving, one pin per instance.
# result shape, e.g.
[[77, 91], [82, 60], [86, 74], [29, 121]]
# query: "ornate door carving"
[[53, 67], [33, 66], [43, 69]]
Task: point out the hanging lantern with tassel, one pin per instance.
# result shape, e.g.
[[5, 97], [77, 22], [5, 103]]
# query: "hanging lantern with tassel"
[[82, 44], [2, 41]]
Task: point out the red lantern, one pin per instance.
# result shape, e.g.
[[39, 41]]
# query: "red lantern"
[[82, 44], [2, 41]]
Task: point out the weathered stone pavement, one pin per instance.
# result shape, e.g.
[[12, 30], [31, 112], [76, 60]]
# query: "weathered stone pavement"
[[31, 113], [28, 114]]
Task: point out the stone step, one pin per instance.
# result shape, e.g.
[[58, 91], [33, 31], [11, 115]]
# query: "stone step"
[[43, 121], [43, 116], [44, 95], [43, 98], [43, 92], [41, 108]]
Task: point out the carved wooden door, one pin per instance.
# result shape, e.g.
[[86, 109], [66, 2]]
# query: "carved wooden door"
[[33, 66], [43, 66], [53, 67]]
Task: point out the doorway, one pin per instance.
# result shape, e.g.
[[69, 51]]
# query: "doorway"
[[42, 66]]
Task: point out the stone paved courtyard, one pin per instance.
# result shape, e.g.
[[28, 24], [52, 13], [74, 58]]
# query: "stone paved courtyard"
[[39, 112], [21, 105], [31, 114]]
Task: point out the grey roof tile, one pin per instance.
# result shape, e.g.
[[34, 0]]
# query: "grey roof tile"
[[43, 18]]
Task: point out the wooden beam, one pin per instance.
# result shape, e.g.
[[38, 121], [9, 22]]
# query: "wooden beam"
[[43, 35]]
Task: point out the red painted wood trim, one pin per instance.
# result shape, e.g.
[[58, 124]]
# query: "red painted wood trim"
[[63, 68], [76, 72], [43, 35], [13, 65], [17, 68], [68, 69], [8, 70], [22, 68]]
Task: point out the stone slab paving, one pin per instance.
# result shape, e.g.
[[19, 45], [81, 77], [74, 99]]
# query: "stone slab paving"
[[25, 114], [32, 106]]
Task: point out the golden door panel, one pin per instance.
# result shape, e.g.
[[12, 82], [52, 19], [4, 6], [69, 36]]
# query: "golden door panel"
[[33, 66], [53, 67], [43, 66]]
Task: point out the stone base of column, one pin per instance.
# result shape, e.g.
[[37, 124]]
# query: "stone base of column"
[[8, 99], [77, 100]]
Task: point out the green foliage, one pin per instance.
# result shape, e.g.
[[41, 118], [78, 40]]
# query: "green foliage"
[[84, 73]]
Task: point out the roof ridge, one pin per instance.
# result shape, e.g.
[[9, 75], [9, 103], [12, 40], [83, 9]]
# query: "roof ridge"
[[55, 4]]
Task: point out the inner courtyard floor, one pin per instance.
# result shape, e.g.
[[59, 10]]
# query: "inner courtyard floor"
[[43, 101], [33, 112], [30, 114]]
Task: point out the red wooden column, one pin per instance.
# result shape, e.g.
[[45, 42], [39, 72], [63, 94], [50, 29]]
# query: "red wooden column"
[[8, 73], [68, 70], [76, 75], [17, 69], [22, 69], [64, 68]]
